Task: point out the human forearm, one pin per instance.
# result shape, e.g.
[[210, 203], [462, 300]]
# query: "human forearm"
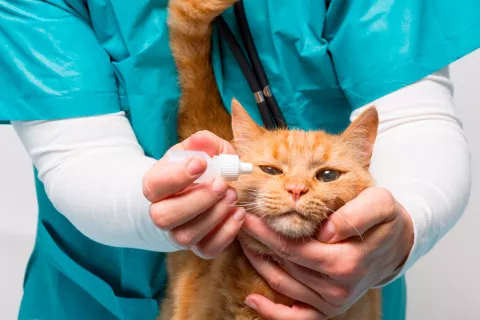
[[92, 169], [422, 157]]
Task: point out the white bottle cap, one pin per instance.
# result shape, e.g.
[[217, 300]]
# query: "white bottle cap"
[[231, 166]]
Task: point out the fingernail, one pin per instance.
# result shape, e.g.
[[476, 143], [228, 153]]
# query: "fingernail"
[[327, 232], [195, 167], [231, 196], [239, 215], [199, 134], [197, 252], [219, 185], [251, 304]]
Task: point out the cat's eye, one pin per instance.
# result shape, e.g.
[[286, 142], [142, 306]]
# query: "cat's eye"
[[271, 170], [328, 175]]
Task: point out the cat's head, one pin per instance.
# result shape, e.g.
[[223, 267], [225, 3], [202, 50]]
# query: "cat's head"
[[299, 177]]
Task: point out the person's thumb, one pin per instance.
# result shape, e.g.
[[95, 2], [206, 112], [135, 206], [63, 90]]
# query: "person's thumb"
[[370, 208], [208, 142]]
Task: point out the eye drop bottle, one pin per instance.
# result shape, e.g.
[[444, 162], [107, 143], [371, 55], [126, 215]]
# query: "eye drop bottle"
[[227, 166]]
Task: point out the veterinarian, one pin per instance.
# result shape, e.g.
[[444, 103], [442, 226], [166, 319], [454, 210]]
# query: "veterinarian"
[[90, 87]]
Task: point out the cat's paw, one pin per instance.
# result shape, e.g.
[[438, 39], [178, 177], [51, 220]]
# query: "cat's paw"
[[201, 10]]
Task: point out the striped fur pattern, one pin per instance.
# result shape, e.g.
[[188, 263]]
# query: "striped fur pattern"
[[215, 289]]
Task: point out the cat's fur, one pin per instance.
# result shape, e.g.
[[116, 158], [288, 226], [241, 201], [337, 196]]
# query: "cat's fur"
[[215, 289]]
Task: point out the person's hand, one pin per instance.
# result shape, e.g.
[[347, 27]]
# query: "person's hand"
[[326, 277], [202, 217]]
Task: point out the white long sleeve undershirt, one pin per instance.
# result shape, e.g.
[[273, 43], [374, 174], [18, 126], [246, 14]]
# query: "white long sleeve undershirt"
[[92, 168], [421, 155]]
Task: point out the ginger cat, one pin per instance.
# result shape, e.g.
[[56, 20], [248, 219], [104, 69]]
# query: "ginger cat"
[[299, 178]]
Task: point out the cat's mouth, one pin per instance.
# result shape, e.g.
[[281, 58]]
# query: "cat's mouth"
[[292, 213], [292, 223]]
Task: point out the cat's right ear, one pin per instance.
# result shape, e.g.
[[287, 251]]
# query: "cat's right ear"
[[361, 135], [243, 126]]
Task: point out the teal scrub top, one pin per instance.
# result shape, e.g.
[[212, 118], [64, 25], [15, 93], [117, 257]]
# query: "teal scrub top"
[[73, 58]]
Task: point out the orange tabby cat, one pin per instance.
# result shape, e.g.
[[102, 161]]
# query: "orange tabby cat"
[[299, 178]]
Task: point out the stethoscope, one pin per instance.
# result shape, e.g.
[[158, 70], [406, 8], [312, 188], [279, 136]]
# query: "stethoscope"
[[254, 73]]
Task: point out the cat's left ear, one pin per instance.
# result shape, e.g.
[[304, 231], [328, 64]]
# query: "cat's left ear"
[[244, 128], [361, 134]]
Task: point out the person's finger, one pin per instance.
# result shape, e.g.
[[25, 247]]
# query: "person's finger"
[[193, 231], [183, 207], [370, 208], [215, 242], [308, 253], [280, 281], [273, 311], [209, 143], [164, 180], [337, 293]]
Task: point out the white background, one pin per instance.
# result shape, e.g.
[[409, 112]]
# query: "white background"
[[442, 285]]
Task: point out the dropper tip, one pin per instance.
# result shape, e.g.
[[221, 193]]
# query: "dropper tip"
[[246, 168]]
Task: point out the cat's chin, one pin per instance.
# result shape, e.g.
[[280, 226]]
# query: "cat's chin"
[[292, 225]]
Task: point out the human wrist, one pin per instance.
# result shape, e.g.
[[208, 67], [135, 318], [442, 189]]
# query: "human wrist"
[[413, 234]]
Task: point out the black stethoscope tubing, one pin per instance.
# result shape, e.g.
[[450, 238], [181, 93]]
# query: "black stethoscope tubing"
[[253, 71]]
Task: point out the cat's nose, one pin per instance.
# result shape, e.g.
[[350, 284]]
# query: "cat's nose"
[[296, 190]]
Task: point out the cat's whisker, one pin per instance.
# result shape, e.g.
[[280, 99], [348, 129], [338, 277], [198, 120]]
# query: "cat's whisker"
[[249, 202], [265, 216], [272, 196], [349, 223], [305, 239], [356, 230], [296, 151], [257, 200], [252, 208], [250, 189], [249, 206]]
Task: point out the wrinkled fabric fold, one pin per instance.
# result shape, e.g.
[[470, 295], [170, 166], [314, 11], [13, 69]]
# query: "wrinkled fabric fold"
[[74, 58]]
